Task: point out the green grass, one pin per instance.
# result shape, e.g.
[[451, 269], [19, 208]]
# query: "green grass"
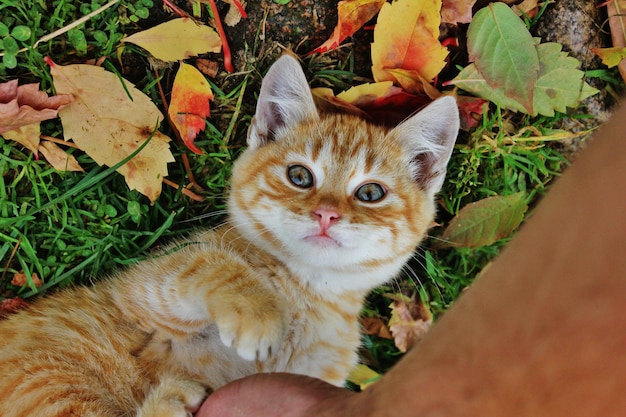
[[69, 228]]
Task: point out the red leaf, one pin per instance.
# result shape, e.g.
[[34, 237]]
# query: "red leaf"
[[471, 110], [11, 306]]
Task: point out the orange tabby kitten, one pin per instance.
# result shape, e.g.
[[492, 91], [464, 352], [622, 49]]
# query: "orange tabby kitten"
[[322, 209]]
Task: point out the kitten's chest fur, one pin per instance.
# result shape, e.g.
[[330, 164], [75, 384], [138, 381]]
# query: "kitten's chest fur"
[[317, 323]]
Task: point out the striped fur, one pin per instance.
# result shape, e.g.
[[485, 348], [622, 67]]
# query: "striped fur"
[[265, 292]]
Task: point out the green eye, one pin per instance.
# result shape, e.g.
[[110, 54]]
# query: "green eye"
[[370, 192], [300, 176]]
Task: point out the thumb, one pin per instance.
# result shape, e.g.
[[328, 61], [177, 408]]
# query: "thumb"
[[275, 395]]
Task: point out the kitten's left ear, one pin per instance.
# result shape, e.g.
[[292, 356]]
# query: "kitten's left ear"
[[429, 137], [285, 100]]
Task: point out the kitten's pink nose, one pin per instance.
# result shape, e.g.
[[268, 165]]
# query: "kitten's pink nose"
[[326, 217]]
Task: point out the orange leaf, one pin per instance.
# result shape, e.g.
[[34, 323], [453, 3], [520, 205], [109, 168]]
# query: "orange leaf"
[[20, 279], [352, 14], [190, 107], [406, 37]]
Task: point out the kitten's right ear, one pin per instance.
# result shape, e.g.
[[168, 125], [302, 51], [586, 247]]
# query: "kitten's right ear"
[[285, 99]]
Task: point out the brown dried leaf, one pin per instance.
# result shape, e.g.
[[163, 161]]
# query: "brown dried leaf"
[[58, 158], [410, 320], [375, 326], [20, 279], [456, 11]]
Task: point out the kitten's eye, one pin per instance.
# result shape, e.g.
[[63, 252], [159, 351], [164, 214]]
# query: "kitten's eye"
[[300, 176], [370, 192]]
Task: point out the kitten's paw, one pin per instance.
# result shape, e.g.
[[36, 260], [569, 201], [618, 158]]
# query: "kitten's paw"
[[173, 397], [254, 334]]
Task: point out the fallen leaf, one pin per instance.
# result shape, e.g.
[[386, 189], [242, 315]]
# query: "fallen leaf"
[[109, 123], [10, 306], [406, 37], [504, 52], [363, 376], [207, 67], [27, 136], [351, 15], [610, 57], [26, 104], [456, 11], [58, 158], [189, 106], [410, 320], [615, 10], [326, 101], [177, 39], [559, 85], [527, 8], [471, 110], [485, 221], [375, 326], [383, 102], [20, 279], [412, 82]]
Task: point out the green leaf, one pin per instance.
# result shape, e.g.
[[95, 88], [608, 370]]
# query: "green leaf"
[[9, 61], [485, 222], [559, 85], [21, 33], [78, 40], [4, 30], [504, 52], [10, 46]]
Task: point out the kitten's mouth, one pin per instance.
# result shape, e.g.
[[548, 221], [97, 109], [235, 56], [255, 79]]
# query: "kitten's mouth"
[[323, 240]]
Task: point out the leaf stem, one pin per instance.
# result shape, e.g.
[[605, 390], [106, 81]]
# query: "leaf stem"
[[228, 61]]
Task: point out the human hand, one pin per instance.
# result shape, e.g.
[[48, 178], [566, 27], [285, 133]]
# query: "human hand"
[[275, 395]]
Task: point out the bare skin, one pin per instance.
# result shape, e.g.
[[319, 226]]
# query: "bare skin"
[[541, 333]]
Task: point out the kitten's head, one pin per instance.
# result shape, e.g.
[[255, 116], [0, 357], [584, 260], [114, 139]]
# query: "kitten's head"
[[334, 197]]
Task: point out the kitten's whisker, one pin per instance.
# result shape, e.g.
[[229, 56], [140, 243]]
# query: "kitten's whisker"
[[205, 216]]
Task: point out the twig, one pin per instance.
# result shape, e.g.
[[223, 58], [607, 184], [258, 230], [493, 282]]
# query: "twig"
[[59, 141], [184, 190]]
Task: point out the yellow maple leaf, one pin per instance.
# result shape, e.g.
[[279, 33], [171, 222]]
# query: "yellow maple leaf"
[[406, 36], [177, 39], [189, 106], [109, 123]]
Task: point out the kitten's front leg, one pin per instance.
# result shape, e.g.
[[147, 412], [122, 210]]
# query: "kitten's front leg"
[[216, 285], [248, 314]]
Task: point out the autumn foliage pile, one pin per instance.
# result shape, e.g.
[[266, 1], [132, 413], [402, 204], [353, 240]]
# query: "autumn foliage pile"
[[110, 120]]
